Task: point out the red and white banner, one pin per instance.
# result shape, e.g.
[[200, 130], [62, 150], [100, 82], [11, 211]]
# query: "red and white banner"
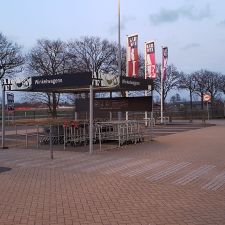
[[150, 65], [132, 56], [164, 61]]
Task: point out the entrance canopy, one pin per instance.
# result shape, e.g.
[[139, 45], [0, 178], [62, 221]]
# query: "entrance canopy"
[[80, 82]]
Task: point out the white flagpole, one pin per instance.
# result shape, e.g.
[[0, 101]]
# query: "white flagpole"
[[146, 113], [119, 44], [162, 73], [119, 54]]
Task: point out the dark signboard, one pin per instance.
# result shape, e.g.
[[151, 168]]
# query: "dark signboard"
[[80, 82], [45, 83], [132, 83], [135, 104]]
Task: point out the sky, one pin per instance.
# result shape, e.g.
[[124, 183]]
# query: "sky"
[[193, 30]]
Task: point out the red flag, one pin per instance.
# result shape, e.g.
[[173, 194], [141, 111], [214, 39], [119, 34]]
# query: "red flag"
[[132, 56], [164, 61], [150, 65]]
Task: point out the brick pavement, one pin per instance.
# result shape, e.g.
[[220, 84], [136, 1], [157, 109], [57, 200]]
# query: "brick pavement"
[[178, 179]]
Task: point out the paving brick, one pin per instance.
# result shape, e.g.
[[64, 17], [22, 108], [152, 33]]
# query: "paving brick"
[[79, 189]]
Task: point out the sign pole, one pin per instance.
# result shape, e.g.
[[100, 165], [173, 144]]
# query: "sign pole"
[[151, 122], [224, 109], [3, 115], [91, 121], [146, 113], [208, 110]]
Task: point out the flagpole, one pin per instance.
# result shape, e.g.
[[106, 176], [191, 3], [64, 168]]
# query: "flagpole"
[[162, 73], [119, 55], [119, 42], [146, 92]]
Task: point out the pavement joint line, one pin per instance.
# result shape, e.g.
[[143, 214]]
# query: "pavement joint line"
[[144, 168], [116, 162], [168, 171], [46, 161], [124, 167], [84, 165], [194, 175], [216, 183]]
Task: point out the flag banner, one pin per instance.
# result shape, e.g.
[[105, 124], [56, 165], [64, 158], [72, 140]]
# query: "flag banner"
[[164, 61], [132, 56], [150, 65]]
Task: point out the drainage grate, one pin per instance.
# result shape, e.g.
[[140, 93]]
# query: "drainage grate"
[[4, 169]]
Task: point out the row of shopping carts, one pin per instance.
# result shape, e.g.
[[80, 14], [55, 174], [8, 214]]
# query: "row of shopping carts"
[[123, 132], [76, 133]]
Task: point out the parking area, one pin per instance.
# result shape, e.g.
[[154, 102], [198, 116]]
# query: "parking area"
[[177, 179], [106, 135]]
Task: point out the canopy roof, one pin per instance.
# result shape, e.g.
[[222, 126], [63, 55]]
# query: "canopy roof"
[[80, 82]]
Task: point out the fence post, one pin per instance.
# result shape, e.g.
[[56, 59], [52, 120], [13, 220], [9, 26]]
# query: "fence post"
[[58, 134], [99, 137], [50, 142], [16, 134], [64, 136], [151, 126], [37, 136], [26, 138]]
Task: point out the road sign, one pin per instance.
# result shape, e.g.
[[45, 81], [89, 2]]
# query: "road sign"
[[206, 97], [10, 102]]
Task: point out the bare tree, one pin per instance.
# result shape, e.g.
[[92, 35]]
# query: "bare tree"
[[93, 54], [170, 83], [206, 82], [222, 83], [123, 62], [11, 58], [49, 58], [141, 67], [187, 81], [213, 83], [201, 88]]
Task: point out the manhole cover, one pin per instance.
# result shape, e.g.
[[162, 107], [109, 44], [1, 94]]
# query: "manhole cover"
[[4, 169]]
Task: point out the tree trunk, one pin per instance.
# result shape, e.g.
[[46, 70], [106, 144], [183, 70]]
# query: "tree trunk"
[[191, 106], [54, 106], [202, 101], [212, 105]]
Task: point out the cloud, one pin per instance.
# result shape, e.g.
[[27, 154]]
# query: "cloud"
[[124, 21], [190, 46], [173, 15], [222, 23]]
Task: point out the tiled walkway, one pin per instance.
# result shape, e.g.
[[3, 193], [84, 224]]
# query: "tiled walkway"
[[177, 179]]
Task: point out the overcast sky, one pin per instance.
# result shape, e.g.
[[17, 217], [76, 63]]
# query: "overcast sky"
[[193, 30]]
